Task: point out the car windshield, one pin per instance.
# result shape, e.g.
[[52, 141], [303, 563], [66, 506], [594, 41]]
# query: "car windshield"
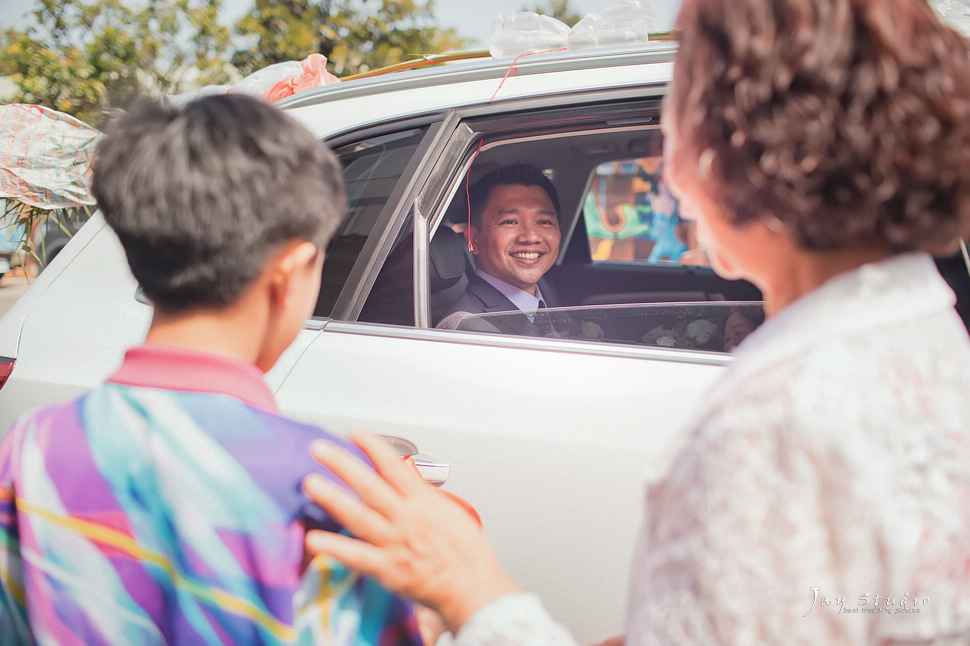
[[713, 326]]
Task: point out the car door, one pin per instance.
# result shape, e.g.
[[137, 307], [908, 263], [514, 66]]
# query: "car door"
[[547, 438]]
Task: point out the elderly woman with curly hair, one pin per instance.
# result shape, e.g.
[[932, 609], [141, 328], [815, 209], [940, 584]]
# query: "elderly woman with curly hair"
[[822, 494]]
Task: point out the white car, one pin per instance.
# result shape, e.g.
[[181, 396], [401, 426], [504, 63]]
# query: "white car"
[[11, 236], [549, 438]]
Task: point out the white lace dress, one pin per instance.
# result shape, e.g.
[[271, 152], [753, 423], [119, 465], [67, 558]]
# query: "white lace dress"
[[822, 494]]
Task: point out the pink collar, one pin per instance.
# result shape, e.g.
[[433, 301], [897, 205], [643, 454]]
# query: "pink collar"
[[155, 365]]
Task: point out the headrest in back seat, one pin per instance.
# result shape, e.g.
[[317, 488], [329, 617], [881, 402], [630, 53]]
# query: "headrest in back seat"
[[447, 270], [447, 258]]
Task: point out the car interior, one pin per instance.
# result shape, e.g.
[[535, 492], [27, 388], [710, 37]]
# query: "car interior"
[[571, 162], [578, 281], [608, 180]]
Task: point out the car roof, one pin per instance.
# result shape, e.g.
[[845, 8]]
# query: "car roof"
[[336, 108]]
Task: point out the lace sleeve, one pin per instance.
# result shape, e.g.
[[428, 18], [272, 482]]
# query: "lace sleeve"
[[514, 620], [736, 537], [798, 515]]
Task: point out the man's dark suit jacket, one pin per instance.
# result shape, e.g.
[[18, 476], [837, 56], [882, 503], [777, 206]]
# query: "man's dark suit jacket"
[[481, 298]]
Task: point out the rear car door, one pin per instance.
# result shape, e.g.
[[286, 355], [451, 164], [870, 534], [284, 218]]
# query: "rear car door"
[[547, 438]]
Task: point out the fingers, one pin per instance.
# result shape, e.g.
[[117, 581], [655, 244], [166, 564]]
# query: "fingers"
[[386, 461], [368, 484], [404, 529], [350, 512], [353, 553]]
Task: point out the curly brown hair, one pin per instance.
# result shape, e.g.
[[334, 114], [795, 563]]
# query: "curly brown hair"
[[848, 120]]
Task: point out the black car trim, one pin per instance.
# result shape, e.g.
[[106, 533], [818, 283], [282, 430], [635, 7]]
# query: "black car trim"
[[572, 346]]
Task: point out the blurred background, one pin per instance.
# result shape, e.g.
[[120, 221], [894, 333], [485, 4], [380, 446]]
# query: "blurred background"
[[82, 56], [87, 58]]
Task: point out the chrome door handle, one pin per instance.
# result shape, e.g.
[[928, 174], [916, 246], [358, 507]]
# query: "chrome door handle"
[[403, 447], [432, 470]]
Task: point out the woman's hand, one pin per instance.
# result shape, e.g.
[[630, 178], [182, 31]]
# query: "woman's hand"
[[408, 535]]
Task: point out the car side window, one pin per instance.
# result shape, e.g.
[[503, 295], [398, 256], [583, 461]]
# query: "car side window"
[[712, 327], [371, 170], [391, 298], [631, 216]]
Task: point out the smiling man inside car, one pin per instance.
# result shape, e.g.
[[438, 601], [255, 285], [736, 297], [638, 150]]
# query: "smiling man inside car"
[[514, 235]]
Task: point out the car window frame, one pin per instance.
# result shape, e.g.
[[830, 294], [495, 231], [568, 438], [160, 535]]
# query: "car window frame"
[[626, 109], [570, 323], [419, 190], [393, 216], [421, 200]]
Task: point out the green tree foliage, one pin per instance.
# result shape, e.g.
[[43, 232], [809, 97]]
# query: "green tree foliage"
[[558, 9], [354, 35], [82, 57]]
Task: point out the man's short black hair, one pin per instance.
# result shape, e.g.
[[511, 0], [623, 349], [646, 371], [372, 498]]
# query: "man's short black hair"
[[514, 175], [201, 195]]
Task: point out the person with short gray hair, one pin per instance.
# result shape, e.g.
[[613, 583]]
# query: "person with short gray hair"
[[164, 506]]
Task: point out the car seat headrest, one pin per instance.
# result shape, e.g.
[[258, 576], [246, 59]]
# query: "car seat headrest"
[[447, 251]]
